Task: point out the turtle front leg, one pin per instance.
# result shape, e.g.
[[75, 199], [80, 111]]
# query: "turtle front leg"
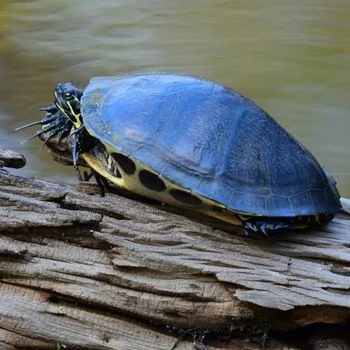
[[265, 227], [82, 142]]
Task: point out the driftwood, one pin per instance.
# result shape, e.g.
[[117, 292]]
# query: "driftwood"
[[81, 271]]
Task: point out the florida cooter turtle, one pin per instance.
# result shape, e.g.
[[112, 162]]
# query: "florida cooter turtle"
[[194, 143]]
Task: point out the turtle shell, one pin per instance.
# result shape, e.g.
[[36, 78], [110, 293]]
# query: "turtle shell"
[[211, 140]]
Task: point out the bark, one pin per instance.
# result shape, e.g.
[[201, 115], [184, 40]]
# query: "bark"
[[88, 272]]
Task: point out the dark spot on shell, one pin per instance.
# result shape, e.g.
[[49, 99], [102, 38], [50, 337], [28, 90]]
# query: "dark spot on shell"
[[125, 163], [185, 197], [151, 181]]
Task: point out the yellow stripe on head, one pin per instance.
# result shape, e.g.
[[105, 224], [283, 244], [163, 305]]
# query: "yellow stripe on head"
[[78, 122], [67, 100]]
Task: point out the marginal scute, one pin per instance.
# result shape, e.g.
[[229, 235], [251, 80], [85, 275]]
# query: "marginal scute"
[[125, 163], [185, 197], [151, 181]]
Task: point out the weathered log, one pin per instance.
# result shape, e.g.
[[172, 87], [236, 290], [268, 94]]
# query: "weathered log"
[[92, 272], [11, 159]]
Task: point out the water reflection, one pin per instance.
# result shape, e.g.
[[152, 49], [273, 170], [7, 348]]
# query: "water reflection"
[[292, 58]]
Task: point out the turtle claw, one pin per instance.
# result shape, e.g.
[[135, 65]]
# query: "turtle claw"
[[51, 109], [38, 122], [47, 140], [102, 183]]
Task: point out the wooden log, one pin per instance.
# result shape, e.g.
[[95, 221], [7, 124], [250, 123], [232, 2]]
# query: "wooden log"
[[11, 159], [88, 272]]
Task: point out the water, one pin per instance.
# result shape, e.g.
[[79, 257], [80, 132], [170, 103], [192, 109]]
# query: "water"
[[292, 58]]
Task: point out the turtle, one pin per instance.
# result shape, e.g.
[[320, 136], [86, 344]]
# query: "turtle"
[[193, 143]]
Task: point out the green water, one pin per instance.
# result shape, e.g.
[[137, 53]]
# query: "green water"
[[292, 58]]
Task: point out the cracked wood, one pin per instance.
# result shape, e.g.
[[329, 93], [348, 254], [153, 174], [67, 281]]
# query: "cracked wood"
[[77, 268]]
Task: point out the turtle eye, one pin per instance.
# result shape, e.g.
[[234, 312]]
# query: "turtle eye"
[[68, 96]]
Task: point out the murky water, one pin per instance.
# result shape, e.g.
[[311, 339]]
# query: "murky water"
[[292, 58]]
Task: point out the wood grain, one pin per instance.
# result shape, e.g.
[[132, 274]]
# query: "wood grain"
[[94, 272]]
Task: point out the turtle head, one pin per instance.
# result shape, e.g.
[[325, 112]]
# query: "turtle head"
[[67, 99]]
